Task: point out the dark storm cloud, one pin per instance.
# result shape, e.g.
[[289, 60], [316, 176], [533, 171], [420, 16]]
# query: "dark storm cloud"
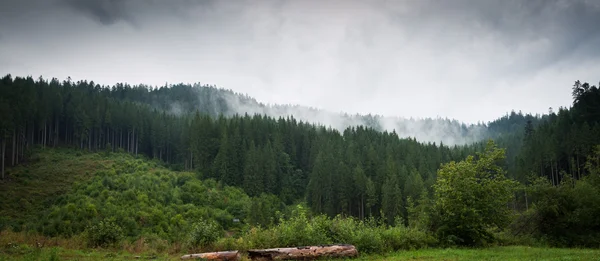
[[545, 30], [108, 12]]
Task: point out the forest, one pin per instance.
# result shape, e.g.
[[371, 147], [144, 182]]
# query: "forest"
[[195, 165]]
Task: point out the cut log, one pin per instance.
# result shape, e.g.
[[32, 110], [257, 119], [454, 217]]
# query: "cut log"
[[223, 256], [303, 253]]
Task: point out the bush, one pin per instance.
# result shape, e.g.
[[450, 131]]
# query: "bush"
[[471, 198], [567, 215], [205, 233], [105, 233], [368, 236], [401, 237]]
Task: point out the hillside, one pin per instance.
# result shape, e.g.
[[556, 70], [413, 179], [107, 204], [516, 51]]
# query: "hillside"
[[292, 160], [63, 192]]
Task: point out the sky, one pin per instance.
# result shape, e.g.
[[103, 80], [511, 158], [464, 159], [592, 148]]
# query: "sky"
[[470, 60]]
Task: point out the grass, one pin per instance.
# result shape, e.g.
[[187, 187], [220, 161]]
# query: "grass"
[[493, 253], [23, 252], [26, 253]]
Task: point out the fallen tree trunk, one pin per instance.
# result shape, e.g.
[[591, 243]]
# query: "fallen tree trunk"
[[223, 256], [303, 253]]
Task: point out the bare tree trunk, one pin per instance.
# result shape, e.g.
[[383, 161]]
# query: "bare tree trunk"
[[66, 133], [44, 138], [578, 173], [17, 152], [552, 173], [526, 203], [3, 154], [32, 136], [362, 207], [14, 146], [137, 143], [56, 136], [133, 141], [225, 255], [128, 142]]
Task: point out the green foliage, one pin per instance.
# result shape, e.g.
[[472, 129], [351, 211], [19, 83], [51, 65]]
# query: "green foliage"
[[143, 198], [105, 233], [567, 214], [369, 236], [205, 233], [400, 237], [53, 255], [471, 198]]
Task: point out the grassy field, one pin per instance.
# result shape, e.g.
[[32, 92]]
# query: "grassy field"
[[495, 253]]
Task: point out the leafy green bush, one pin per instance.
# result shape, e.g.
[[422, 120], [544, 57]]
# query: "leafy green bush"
[[369, 236], [471, 198], [566, 215], [204, 233], [104, 233], [405, 238]]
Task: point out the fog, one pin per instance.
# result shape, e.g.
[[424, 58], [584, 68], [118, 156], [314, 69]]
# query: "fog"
[[449, 132]]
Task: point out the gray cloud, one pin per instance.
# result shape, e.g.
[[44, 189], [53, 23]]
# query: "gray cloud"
[[106, 12], [471, 60], [109, 12]]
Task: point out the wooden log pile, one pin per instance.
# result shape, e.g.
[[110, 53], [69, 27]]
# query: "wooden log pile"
[[287, 253], [303, 253]]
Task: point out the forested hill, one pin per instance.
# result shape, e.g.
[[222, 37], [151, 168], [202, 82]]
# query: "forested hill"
[[354, 172], [188, 98]]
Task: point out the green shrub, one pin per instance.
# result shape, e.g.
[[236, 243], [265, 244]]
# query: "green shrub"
[[104, 233], [369, 239], [471, 198], [205, 233], [366, 235], [566, 215], [404, 238]]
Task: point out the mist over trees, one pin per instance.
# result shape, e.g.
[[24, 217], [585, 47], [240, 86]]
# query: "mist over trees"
[[181, 99]]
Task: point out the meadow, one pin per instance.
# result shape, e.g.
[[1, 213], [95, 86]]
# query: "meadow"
[[26, 253]]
